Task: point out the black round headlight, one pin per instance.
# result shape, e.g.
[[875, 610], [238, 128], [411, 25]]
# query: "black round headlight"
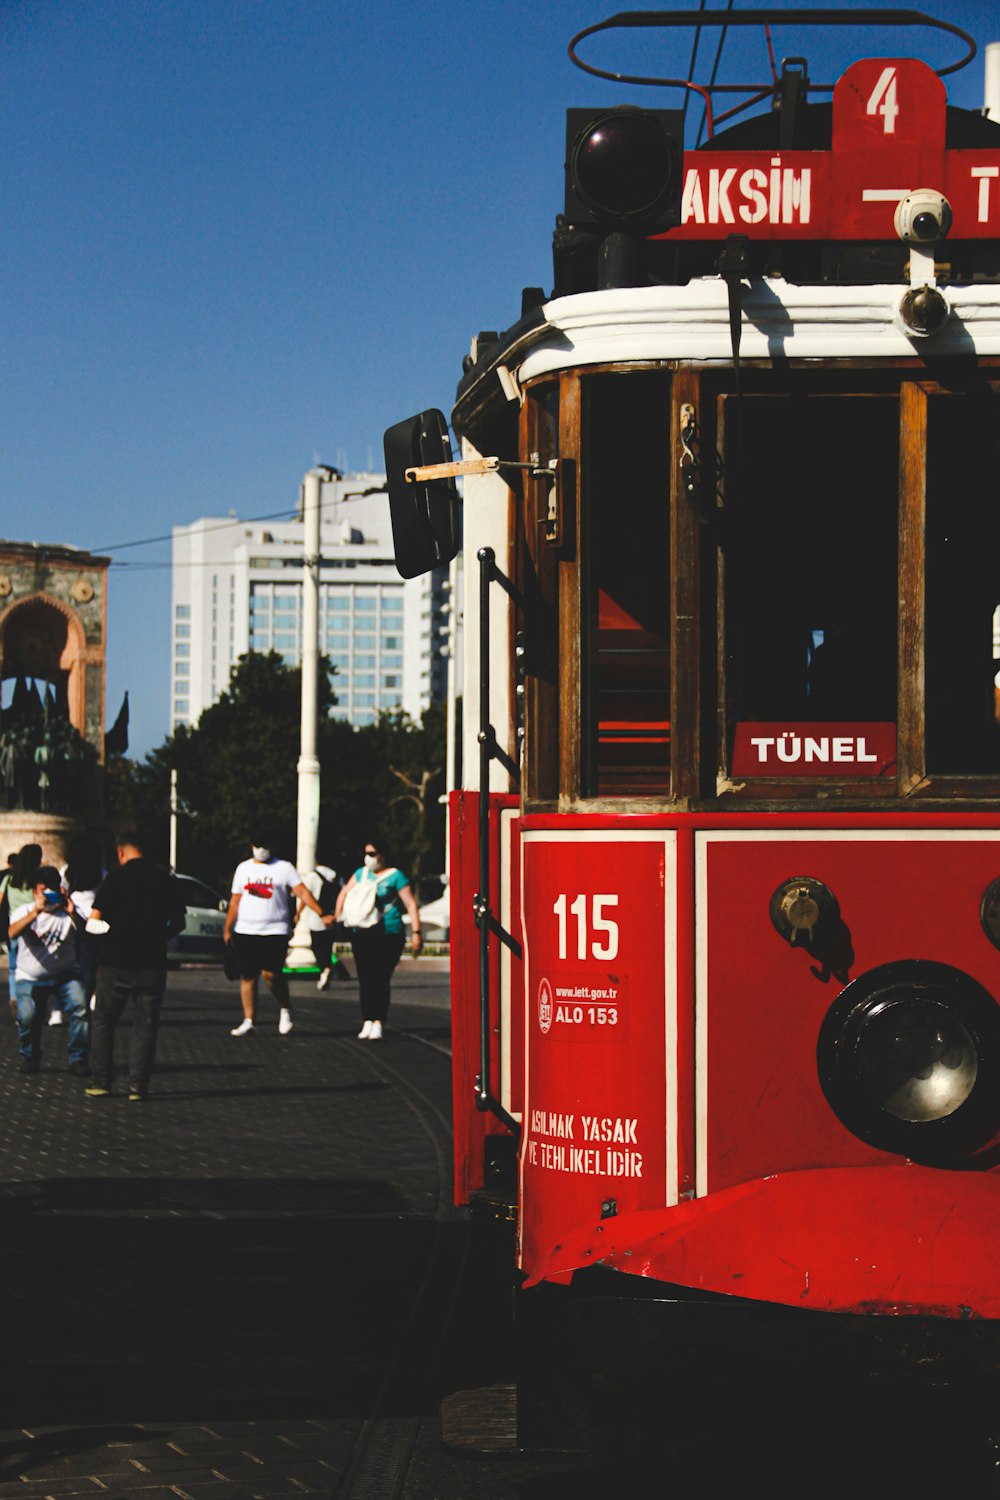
[[625, 165], [909, 1059]]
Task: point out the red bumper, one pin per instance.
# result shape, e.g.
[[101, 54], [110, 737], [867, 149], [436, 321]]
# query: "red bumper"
[[899, 1240]]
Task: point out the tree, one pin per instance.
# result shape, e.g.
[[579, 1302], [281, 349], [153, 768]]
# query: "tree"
[[241, 760]]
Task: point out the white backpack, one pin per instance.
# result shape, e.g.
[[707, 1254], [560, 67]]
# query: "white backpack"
[[359, 904]]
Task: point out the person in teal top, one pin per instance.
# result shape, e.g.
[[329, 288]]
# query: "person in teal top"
[[377, 933]]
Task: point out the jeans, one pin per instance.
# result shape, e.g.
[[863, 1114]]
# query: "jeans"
[[33, 998], [376, 954], [115, 988]]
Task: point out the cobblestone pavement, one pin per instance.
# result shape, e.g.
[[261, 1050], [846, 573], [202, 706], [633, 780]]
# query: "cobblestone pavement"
[[200, 1287], [254, 1283]]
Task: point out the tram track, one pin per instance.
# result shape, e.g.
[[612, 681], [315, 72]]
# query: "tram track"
[[380, 1456]]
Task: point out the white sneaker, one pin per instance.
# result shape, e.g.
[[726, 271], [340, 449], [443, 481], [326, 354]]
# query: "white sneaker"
[[375, 1035], [93, 1002], [55, 1018], [323, 980], [285, 1022], [245, 1026], [365, 1031]]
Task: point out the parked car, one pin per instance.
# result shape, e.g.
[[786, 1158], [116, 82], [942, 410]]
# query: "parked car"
[[435, 908], [201, 941]]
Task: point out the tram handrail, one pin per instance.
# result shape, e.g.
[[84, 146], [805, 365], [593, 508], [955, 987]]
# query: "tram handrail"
[[489, 750]]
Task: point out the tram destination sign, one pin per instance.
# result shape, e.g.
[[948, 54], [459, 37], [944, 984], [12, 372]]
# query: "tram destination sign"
[[888, 140], [827, 750]]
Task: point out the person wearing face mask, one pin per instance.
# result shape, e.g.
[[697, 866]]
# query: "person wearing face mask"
[[259, 925], [371, 906]]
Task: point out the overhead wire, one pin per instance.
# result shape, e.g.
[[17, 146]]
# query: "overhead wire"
[[288, 513], [690, 72], [723, 32]]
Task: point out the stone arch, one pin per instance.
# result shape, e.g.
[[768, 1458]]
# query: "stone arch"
[[42, 637]]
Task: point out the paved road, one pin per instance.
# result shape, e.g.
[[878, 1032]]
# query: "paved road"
[[254, 1283]]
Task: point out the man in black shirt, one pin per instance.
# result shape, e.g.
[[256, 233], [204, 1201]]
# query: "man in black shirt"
[[143, 908]]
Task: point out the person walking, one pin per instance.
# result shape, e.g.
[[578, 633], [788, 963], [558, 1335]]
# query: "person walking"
[[20, 892], [83, 874], [259, 925], [371, 907], [323, 883], [143, 908], [4, 903], [48, 972]]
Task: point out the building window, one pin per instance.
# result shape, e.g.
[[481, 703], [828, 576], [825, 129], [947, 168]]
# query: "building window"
[[182, 669], [182, 648], [182, 612], [364, 642], [182, 631]]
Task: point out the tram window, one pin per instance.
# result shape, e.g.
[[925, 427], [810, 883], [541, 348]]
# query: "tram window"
[[962, 585], [811, 559], [626, 671]]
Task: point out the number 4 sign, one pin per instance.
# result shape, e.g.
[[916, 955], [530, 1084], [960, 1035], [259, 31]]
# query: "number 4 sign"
[[882, 100]]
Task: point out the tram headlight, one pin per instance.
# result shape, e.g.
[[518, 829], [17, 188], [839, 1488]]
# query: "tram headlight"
[[623, 168], [909, 1059], [917, 1060]]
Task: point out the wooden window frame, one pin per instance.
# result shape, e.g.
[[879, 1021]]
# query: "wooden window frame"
[[915, 781]]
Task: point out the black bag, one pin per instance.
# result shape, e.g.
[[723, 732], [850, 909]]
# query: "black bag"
[[230, 961]]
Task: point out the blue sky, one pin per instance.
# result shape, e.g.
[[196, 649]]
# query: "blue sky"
[[241, 236]]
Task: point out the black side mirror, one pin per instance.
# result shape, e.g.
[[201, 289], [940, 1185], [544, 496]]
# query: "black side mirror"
[[425, 513]]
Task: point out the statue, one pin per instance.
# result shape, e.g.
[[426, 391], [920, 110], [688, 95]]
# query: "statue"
[[45, 765]]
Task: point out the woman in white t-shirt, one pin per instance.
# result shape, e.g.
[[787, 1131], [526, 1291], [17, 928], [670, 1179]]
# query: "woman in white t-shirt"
[[259, 924]]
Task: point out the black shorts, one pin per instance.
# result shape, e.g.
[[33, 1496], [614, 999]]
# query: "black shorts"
[[260, 953]]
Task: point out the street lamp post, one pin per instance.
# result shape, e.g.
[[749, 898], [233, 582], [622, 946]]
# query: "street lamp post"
[[308, 767], [173, 819], [300, 953]]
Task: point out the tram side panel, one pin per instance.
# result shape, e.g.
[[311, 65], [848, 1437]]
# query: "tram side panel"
[[483, 1144], [601, 1081], [871, 1188], [902, 895]]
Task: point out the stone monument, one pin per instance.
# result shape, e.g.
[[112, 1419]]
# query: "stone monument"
[[53, 631]]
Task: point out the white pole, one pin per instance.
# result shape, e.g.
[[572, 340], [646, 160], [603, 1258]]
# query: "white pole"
[[991, 87], [451, 721], [173, 818], [308, 767]]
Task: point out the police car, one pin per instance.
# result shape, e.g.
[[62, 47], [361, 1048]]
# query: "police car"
[[201, 941]]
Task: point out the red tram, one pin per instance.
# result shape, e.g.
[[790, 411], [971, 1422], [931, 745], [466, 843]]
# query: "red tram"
[[725, 864]]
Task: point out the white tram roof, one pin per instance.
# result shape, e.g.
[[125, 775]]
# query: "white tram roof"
[[779, 320]]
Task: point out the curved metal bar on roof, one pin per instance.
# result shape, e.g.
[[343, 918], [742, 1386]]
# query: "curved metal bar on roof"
[[727, 18]]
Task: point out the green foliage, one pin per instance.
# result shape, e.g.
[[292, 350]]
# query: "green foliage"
[[241, 761]]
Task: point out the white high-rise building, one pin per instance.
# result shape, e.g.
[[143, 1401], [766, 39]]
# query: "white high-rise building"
[[237, 587]]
